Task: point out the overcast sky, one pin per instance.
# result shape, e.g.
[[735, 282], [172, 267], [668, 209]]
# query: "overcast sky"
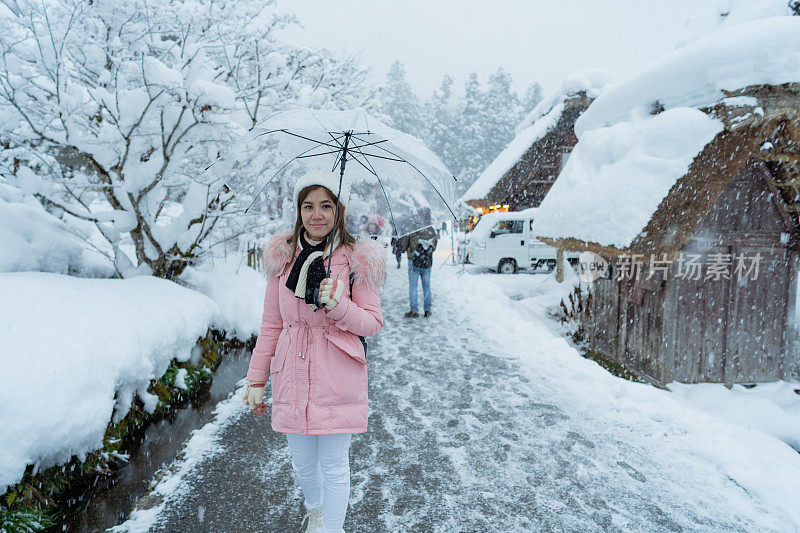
[[533, 40]]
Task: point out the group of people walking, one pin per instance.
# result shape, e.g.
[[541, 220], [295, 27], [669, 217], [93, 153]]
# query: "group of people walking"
[[311, 343]]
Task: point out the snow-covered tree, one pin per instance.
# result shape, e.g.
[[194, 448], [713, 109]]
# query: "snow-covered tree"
[[111, 110], [442, 133], [467, 133], [531, 98], [500, 114], [487, 120], [472, 133], [400, 104]]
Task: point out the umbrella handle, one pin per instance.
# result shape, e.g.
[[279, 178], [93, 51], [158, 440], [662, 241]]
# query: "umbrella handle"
[[316, 298], [338, 196]]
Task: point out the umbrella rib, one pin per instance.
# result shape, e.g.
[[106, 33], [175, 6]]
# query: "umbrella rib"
[[340, 150], [317, 155], [336, 140], [279, 171], [384, 157], [355, 119], [369, 144], [357, 160], [423, 175], [385, 196], [314, 115], [338, 158], [320, 143]]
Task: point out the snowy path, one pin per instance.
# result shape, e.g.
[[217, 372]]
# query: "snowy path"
[[491, 423]]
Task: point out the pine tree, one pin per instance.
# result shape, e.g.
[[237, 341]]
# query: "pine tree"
[[500, 114], [442, 135], [532, 97], [471, 130], [468, 133], [399, 103]]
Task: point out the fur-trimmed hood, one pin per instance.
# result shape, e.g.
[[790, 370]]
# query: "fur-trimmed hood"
[[367, 258]]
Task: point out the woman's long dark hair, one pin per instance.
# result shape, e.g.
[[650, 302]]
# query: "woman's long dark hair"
[[345, 238]]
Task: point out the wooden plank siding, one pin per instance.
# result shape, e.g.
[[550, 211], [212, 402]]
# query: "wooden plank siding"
[[791, 366], [713, 330], [604, 310], [757, 320]]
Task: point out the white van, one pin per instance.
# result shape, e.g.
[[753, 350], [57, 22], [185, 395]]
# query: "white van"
[[505, 242]]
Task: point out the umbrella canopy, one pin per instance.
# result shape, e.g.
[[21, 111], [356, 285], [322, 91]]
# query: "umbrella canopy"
[[389, 173]]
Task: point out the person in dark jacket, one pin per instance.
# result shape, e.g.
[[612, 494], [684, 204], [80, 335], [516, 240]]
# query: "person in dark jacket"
[[419, 247], [396, 249]]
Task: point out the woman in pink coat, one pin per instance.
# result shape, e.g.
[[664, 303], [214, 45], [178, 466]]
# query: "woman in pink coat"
[[309, 344]]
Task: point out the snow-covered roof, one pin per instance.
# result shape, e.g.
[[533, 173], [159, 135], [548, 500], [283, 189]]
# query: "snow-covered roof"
[[616, 176], [710, 16], [536, 125], [627, 160], [765, 51], [589, 80], [511, 154]]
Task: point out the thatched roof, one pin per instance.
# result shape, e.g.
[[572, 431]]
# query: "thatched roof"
[[530, 177], [548, 125], [767, 134]]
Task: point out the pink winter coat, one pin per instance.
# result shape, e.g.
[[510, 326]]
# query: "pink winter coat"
[[315, 359]]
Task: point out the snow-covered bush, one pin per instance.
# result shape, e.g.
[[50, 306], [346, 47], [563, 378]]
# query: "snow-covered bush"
[[33, 239], [111, 110]]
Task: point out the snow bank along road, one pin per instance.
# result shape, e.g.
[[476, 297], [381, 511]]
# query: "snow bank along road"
[[484, 419]]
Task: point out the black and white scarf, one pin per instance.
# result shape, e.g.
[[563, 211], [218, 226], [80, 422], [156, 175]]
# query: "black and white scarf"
[[308, 270]]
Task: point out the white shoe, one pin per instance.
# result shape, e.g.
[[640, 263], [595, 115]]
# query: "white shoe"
[[314, 517]]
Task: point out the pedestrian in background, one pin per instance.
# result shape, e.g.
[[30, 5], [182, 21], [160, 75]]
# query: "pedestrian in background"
[[419, 247], [374, 227], [396, 242], [397, 249]]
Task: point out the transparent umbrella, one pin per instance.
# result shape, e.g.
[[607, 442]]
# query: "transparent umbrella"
[[390, 173]]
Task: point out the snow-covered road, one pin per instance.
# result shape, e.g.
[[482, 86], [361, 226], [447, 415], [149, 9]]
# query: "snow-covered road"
[[484, 419]]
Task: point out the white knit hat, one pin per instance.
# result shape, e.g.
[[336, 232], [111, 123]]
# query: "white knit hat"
[[329, 180]]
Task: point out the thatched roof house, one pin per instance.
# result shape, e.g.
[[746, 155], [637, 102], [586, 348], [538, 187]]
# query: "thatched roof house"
[[522, 174], [697, 176], [767, 140]]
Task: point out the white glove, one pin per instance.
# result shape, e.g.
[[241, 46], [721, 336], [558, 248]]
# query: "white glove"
[[253, 396], [328, 296]]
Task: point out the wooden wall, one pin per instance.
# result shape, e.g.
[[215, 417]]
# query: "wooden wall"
[[709, 330]]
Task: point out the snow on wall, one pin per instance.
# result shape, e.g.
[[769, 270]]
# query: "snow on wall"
[[765, 51], [79, 343], [616, 176], [237, 289], [536, 125]]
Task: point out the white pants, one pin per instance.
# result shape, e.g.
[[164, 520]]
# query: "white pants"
[[322, 466]]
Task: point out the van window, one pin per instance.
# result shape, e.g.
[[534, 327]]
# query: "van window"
[[530, 225], [508, 226]]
